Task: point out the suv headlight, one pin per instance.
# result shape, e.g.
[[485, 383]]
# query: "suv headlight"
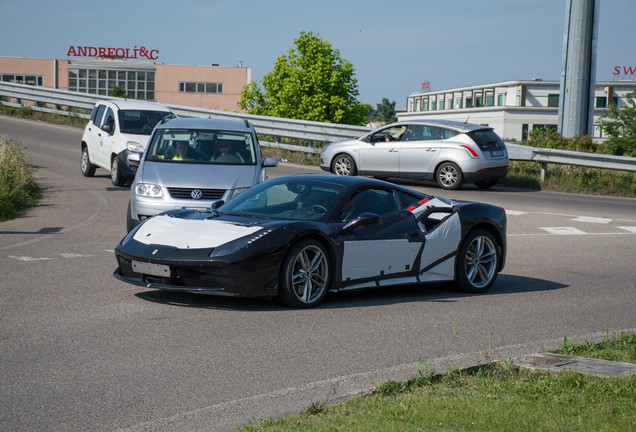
[[134, 147], [238, 191], [148, 190]]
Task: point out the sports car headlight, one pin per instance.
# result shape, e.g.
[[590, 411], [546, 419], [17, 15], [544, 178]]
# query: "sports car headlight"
[[134, 147], [238, 191], [148, 190], [236, 245]]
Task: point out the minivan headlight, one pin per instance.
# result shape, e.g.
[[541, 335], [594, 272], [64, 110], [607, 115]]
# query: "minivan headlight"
[[134, 147], [148, 190], [238, 191]]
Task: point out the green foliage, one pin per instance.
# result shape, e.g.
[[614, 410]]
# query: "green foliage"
[[621, 348], [385, 111], [310, 82], [620, 125], [548, 138], [118, 91], [18, 191]]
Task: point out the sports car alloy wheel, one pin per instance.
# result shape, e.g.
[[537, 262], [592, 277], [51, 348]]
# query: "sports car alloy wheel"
[[305, 275], [344, 165], [449, 176], [478, 262]]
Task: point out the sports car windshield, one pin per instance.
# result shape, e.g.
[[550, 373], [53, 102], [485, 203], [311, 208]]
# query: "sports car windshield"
[[286, 199], [201, 146]]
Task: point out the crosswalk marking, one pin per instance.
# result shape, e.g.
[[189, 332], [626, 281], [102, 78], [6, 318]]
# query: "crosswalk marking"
[[631, 229], [563, 230], [590, 219]]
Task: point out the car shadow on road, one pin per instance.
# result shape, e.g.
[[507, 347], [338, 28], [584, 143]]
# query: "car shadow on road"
[[433, 293]]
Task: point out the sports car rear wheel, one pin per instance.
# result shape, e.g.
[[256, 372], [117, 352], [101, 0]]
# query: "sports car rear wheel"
[[477, 262], [305, 274]]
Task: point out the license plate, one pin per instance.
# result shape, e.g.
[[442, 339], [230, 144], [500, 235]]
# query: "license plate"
[[496, 153], [151, 269]]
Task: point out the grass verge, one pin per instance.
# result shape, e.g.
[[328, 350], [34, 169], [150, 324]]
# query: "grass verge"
[[497, 396], [18, 191]]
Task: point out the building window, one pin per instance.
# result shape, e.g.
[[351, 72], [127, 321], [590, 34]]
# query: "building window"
[[203, 87], [490, 100], [469, 102], [441, 105], [553, 100], [137, 84], [425, 105], [417, 104], [33, 80], [524, 132], [458, 103], [601, 102], [479, 102]]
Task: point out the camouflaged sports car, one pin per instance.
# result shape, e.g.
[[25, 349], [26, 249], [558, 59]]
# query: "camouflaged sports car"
[[297, 237]]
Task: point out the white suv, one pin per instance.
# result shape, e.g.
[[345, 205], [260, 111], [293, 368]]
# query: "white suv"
[[117, 134]]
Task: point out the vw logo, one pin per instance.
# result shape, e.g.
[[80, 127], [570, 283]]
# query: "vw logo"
[[196, 194]]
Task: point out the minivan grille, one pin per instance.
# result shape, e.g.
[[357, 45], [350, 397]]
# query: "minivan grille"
[[186, 193]]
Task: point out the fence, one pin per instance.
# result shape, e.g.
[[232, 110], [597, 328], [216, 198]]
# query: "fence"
[[306, 131]]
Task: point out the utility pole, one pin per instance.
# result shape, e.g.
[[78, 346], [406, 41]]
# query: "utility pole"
[[578, 72]]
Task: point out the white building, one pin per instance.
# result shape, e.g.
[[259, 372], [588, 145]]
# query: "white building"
[[512, 108]]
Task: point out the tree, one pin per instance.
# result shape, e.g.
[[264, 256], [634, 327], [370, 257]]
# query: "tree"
[[310, 82], [385, 111], [118, 91], [620, 125]]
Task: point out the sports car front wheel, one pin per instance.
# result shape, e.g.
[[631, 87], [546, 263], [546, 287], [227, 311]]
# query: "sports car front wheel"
[[305, 273], [477, 262]]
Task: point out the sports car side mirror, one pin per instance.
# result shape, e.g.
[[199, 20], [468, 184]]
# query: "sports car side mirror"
[[362, 220]]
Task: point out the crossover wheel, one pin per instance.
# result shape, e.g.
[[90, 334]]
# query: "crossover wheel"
[[305, 275], [449, 176], [116, 175], [88, 169], [477, 262], [344, 164]]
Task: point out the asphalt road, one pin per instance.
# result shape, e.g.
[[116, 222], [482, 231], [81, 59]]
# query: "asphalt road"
[[80, 350]]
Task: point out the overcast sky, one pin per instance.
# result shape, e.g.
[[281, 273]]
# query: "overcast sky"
[[394, 46]]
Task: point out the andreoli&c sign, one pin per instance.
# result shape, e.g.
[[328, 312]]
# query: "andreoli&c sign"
[[119, 53]]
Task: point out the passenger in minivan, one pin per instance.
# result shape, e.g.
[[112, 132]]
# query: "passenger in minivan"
[[226, 153]]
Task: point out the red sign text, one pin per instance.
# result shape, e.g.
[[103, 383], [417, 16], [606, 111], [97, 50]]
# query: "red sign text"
[[121, 53]]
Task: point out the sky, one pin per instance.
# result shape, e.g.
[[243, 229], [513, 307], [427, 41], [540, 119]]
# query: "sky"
[[394, 45]]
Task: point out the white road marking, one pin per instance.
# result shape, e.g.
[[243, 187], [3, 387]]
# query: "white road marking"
[[26, 258], [75, 255], [600, 220], [631, 229], [563, 230], [514, 212]]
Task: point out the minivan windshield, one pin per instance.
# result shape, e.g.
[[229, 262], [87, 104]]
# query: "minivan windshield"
[[139, 122], [202, 146]]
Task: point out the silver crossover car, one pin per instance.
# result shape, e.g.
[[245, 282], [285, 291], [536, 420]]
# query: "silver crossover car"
[[195, 164], [448, 152]]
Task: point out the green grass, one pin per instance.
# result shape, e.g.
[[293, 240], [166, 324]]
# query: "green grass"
[[18, 191], [621, 348], [494, 397]]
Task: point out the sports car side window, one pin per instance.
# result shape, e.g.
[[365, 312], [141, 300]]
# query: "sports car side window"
[[378, 201]]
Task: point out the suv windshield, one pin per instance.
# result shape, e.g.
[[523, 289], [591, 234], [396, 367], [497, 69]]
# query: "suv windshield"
[[200, 146], [139, 122]]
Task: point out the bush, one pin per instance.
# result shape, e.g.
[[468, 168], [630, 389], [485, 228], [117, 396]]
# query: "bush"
[[18, 191]]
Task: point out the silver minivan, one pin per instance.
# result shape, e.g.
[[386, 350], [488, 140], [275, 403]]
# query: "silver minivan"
[[195, 163]]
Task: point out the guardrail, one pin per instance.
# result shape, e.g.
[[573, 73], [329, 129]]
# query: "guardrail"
[[297, 129]]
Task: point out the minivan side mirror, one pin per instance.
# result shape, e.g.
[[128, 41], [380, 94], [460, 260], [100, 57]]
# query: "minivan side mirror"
[[270, 162]]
